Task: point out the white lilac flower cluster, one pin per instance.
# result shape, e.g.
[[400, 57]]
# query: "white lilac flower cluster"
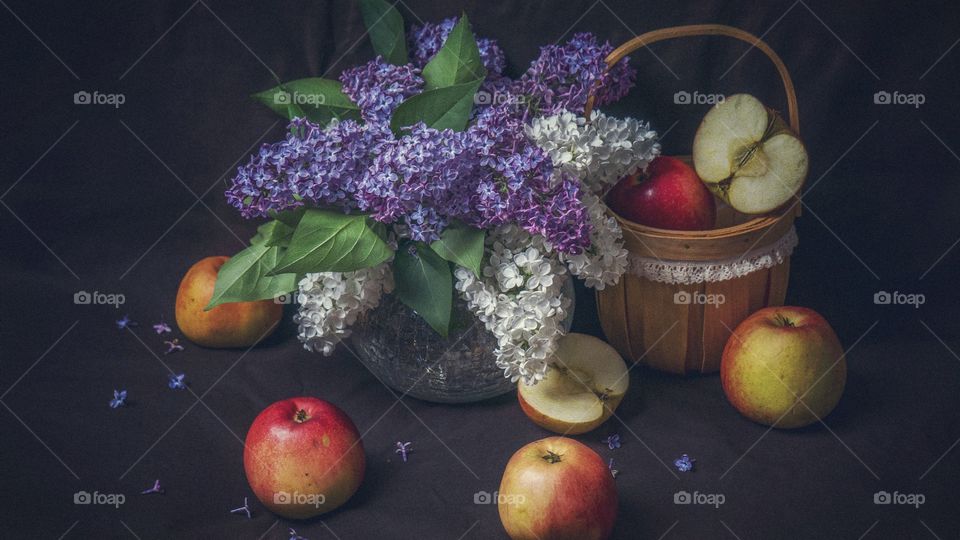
[[519, 298], [598, 152], [605, 260], [331, 301]]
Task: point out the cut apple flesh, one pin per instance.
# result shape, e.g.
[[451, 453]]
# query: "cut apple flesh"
[[748, 156], [581, 388], [771, 176]]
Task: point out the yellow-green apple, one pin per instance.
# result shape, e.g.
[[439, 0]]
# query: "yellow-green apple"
[[239, 324], [748, 156], [556, 489], [668, 195], [583, 386], [303, 457], [783, 367]]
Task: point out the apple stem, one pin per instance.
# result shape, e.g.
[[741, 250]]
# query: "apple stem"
[[783, 321], [552, 457], [301, 416]]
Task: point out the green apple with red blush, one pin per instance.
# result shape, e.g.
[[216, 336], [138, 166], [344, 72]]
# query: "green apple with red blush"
[[303, 457], [557, 489], [784, 367], [667, 195]]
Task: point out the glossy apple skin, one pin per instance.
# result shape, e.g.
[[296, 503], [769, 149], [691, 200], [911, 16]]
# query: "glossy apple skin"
[[240, 324], [322, 455], [668, 195], [574, 498], [765, 348]]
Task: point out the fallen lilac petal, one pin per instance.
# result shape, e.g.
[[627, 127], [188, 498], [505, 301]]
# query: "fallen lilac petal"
[[155, 489], [119, 399], [684, 463], [161, 328]]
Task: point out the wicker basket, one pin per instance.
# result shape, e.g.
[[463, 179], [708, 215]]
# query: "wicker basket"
[[642, 317]]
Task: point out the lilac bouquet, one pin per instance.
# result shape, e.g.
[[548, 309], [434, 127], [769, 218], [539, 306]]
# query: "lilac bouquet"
[[431, 173]]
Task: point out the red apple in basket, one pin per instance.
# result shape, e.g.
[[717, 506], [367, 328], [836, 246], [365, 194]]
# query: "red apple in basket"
[[668, 195], [783, 366], [303, 457], [557, 488]]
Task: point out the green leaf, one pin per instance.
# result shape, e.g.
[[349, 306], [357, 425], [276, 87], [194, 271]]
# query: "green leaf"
[[320, 100], [440, 108], [273, 233], [290, 218], [245, 278], [385, 26], [457, 62], [330, 241], [461, 244], [424, 282]]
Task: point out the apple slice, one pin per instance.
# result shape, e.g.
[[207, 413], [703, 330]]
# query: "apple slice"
[[582, 387], [748, 156]]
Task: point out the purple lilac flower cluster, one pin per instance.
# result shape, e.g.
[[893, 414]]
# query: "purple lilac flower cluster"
[[311, 165], [419, 178], [378, 87], [563, 75], [488, 175], [426, 41], [519, 184]]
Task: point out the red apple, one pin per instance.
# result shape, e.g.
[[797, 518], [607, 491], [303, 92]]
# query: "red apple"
[[777, 356], [668, 195], [303, 457], [557, 488]]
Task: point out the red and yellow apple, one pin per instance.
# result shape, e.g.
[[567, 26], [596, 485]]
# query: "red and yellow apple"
[[555, 489], [668, 195], [783, 367], [583, 386], [239, 324], [303, 457]]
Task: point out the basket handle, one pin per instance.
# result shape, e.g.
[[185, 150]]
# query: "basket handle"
[[708, 30]]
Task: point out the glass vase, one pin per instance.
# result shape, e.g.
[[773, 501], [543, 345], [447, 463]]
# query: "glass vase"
[[404, 352]]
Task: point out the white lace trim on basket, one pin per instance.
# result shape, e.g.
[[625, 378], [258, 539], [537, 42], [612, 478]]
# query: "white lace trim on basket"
[[691, 272]]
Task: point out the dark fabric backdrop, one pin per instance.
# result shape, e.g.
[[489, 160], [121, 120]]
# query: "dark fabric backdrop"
[[124, 200]]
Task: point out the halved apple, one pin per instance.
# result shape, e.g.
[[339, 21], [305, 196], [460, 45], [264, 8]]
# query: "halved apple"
[[582, 388], [748, 156]]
